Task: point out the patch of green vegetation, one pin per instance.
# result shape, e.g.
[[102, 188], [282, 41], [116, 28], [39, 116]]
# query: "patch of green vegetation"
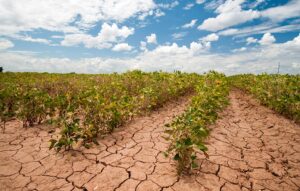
[[187, 132]]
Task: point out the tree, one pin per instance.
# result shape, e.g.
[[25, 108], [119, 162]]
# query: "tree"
[[1, 69]]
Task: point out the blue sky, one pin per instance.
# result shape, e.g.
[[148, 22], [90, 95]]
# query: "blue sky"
[[96, 36]]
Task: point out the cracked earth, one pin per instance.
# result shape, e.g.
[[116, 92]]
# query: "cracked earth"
[[250, 147]]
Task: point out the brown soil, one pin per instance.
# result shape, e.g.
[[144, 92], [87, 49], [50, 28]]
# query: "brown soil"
[[250, 148]]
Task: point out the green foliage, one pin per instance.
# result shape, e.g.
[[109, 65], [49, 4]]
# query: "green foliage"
[[33, 106], [8, 107], [101, 102], [70, 133], [188, 131], [279, 92]]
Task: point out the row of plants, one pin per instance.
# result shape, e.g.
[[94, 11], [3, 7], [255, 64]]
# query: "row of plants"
[[86, 106], [279, 92], [187, 132]]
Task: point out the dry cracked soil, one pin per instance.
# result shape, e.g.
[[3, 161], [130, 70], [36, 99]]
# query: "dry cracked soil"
[[250, 148]]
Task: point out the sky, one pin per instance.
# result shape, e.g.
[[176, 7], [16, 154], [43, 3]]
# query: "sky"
[[104, 36]]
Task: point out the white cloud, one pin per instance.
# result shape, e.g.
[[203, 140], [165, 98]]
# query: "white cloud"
[[168, 5], [156, 13], [30, 39], [112, 32], [104, 39], [38, 40], [66, 16], [296, 66], [5, 44], [260, 29], [163, 51], [228, 32], [280, 13], [169, 58], [159, 13], [188, 6], [230, 14], [211, 37], [57, 36], [179, 36], [242, 49], [74, 19], [190, 24], [87, 40], [143, 46], [251, 40], [122, 47], [200, 1], [151, 39], [282, 29], [169, 49], [256, 3], [197, 48], [142, 16], [213, 4], [267, 39], [272, 18]]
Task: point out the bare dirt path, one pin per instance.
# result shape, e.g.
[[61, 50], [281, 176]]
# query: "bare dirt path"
[[250, 148]]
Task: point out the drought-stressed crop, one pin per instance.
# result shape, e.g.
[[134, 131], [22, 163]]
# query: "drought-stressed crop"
[[279, 92], [86, 106], [188, 131]]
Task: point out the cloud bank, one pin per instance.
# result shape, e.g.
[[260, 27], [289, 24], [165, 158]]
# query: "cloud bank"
[[193, 58]]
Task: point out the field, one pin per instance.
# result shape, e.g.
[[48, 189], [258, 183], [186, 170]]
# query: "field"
[[279, 92], [149, 131]]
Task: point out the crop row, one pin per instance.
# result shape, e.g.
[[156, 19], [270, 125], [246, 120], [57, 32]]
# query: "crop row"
[[279, 92], [86, 106], [187, 132]]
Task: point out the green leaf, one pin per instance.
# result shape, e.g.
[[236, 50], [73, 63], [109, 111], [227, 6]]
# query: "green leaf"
[[52, 143], [202, 147], [178, 145], [193, 157], [176, 157], [95, 141], [166, 154], [86, 145], [194, 165], [188, 142]]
